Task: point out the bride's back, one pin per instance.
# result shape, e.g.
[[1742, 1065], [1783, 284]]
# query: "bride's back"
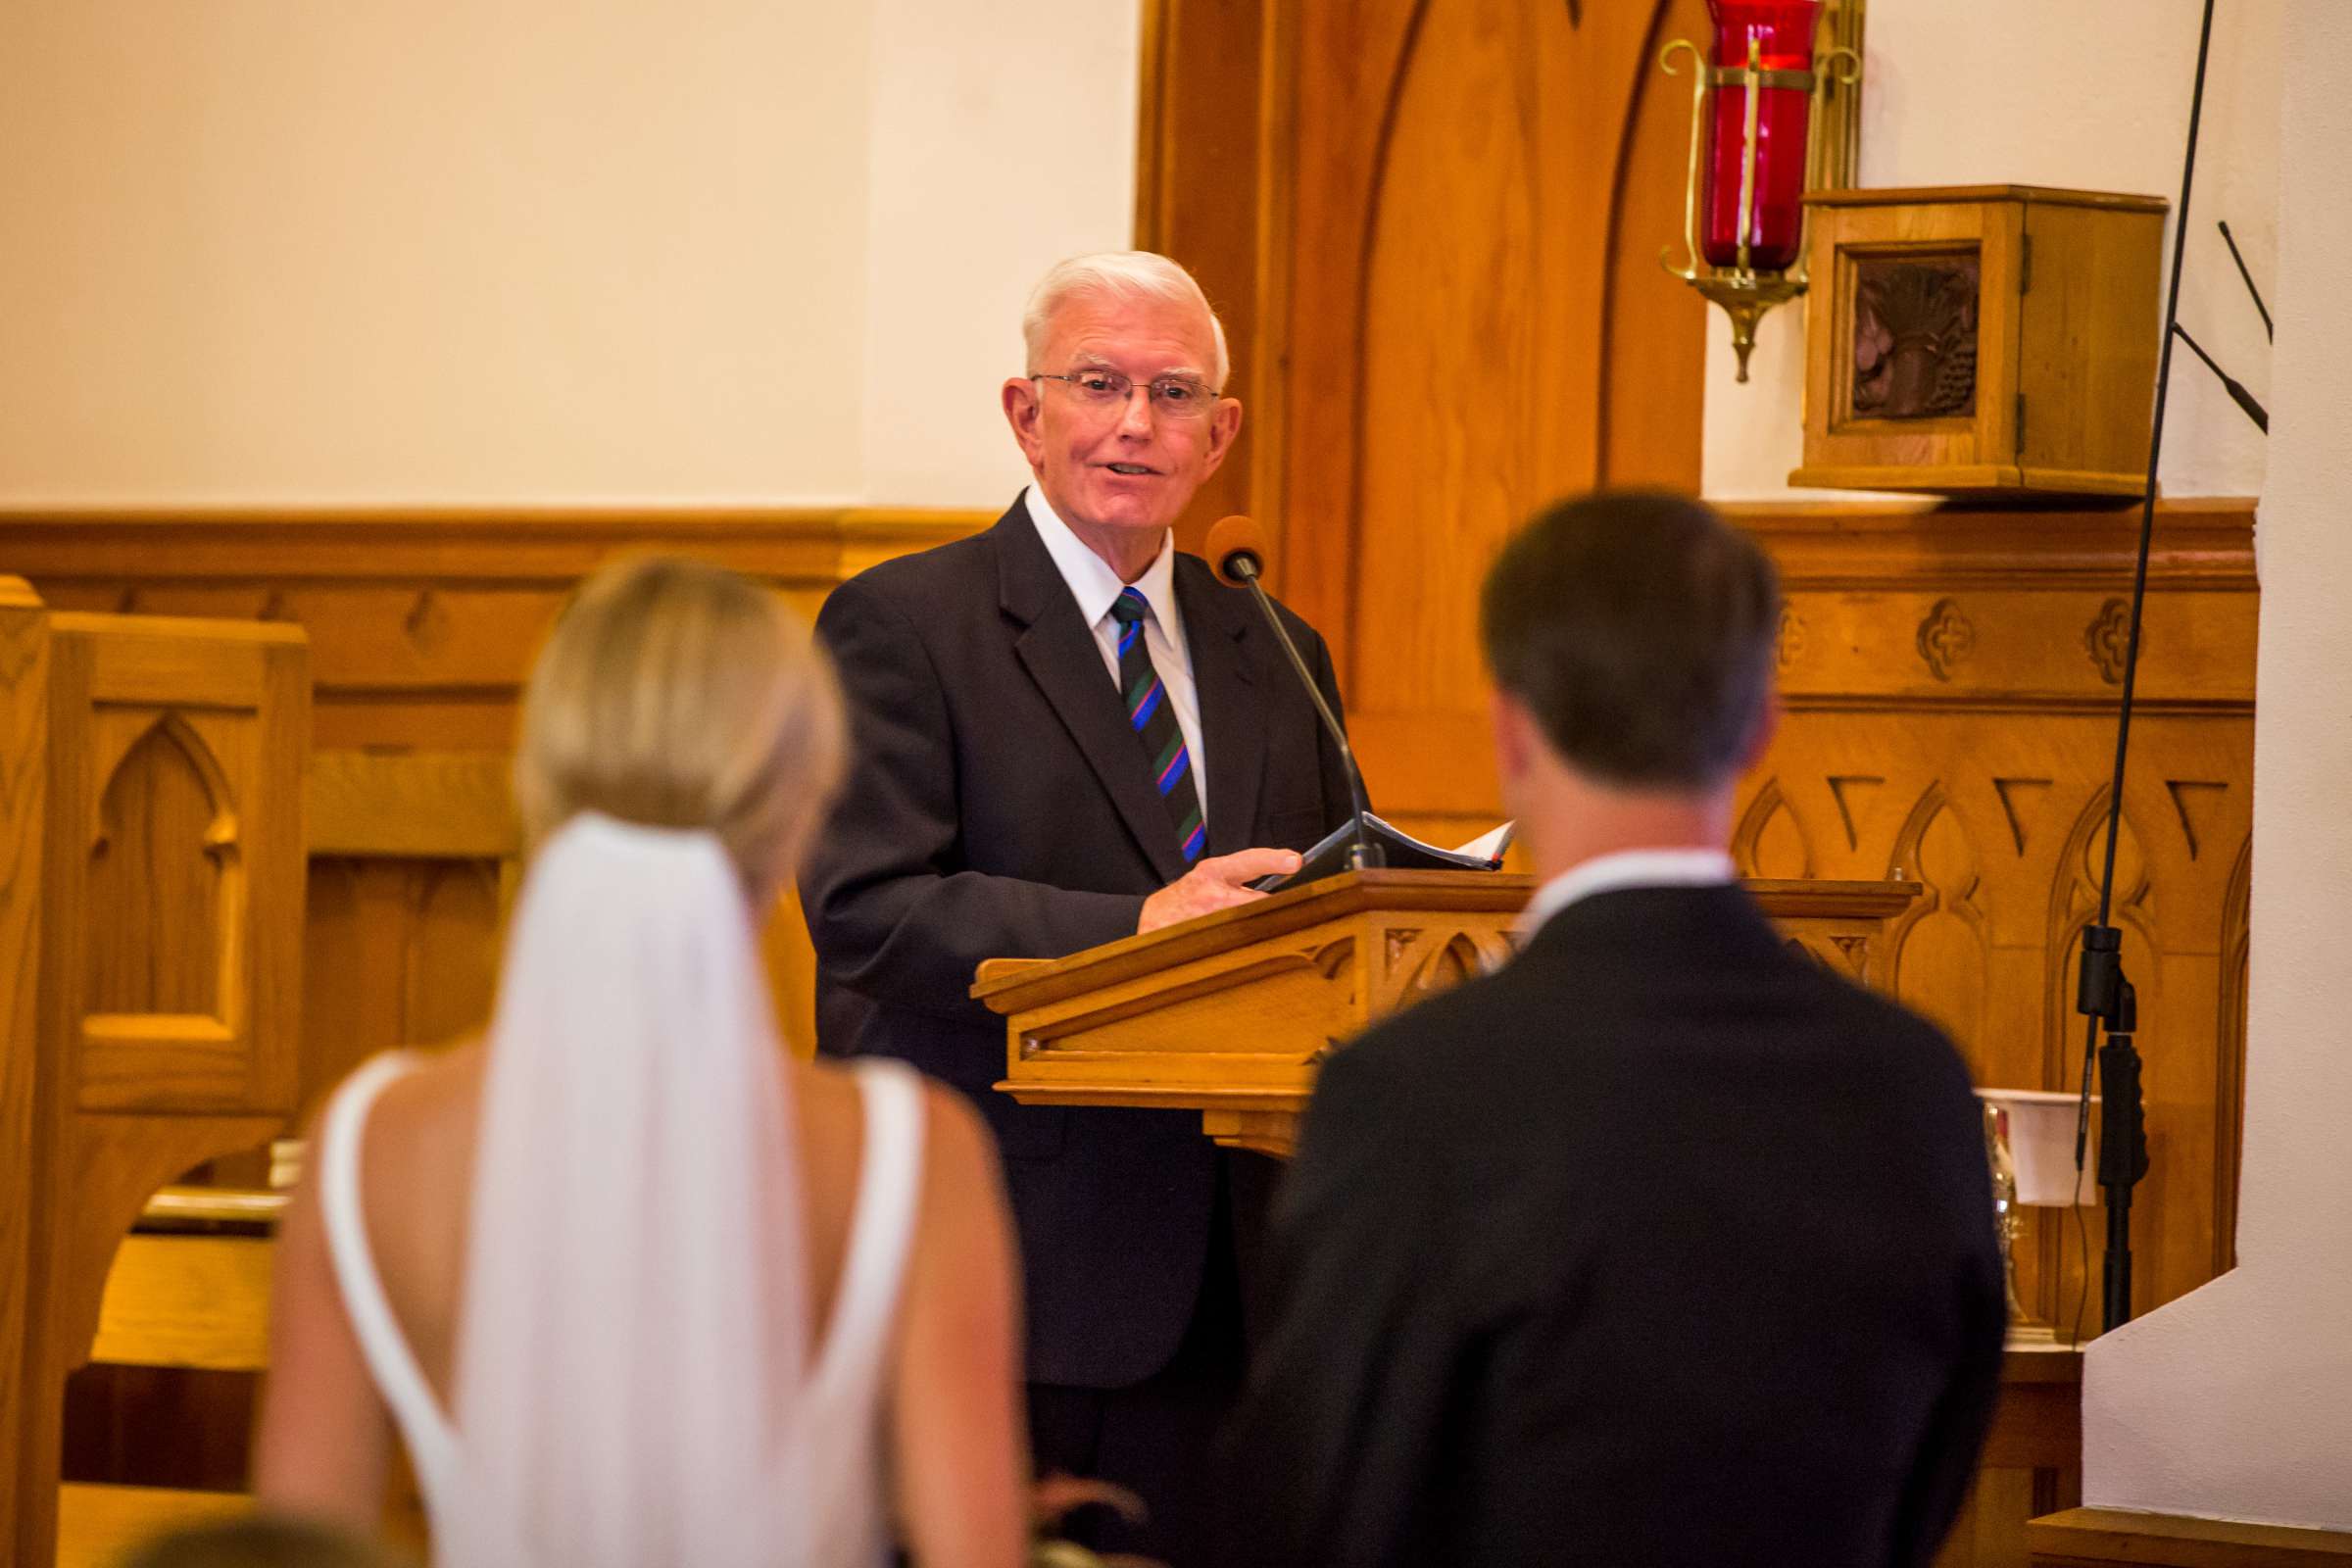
[[638, 1288], [417, 1171]]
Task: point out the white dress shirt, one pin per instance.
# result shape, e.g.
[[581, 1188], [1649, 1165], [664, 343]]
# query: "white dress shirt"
[[1097, 587], [1627, 868]]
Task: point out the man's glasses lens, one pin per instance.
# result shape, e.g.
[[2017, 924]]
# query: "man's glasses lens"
[[1169, 394]]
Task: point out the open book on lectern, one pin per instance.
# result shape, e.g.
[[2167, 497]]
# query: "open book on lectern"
[[1401, 852]]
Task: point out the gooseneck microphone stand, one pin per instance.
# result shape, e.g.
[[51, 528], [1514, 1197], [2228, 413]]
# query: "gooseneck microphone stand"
[[1242, 566], [2103, 993]]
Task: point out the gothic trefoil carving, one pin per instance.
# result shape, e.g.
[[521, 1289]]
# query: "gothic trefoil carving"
[[1947, 637], [2108, 639], [1790, 646]]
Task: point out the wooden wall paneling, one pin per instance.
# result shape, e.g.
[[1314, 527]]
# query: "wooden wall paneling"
[[23, 793], [1973, 654], [1201, 196], [452, 954], [1950, 686], [422, 626], [1339, 80], [2230, 1027], [1654, 378]]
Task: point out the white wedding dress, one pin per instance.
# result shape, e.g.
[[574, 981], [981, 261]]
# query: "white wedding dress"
[[636, 1385]]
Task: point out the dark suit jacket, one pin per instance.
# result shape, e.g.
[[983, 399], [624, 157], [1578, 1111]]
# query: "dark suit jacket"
[[1661, 1246], [998, 805]]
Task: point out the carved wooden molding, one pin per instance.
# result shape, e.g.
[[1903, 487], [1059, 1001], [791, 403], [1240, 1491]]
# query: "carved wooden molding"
[[2108, 640], [2203, 541], [1791, 645], [1946, 639], [423, 545]]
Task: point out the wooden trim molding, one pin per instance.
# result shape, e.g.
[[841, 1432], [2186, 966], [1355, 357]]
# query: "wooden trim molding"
[[795, 546], [423, 622], [2097, 1538], [2197, 544]]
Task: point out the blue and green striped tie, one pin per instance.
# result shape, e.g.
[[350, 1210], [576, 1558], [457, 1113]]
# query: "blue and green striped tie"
[[1153, 719]]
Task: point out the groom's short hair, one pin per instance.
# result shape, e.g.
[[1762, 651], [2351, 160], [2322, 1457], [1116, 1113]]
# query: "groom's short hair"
[[1639, 628]]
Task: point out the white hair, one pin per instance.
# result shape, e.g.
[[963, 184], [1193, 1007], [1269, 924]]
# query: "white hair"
[[1124, 274]]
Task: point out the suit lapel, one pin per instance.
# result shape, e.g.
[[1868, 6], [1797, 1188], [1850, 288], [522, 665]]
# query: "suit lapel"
[[1217, 634], [1062, 656]]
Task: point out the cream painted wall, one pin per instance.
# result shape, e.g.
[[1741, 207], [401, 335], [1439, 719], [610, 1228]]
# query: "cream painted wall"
[[2091, 94], [1003, 140], [2236, 1400], [272, 250]]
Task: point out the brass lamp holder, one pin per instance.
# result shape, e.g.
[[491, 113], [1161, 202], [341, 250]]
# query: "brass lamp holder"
[[1744, 291]]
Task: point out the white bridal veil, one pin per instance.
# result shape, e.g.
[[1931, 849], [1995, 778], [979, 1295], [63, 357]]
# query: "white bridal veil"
[[634, 1331]]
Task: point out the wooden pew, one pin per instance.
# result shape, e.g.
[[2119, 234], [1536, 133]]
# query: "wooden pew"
[[151, 906], [188, 1290]]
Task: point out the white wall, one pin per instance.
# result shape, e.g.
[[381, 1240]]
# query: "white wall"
[[2091, 94], [439, 251], [2236, 1400], [1004, 139]]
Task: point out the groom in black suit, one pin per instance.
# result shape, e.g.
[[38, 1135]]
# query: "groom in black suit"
[[1066, 732], [1663, 1244]]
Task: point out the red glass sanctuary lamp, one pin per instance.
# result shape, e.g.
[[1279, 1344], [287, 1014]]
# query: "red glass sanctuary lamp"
[[1751, 129]]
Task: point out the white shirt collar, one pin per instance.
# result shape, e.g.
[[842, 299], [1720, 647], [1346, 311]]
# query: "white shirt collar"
[[1626, 868], [1092, 581]]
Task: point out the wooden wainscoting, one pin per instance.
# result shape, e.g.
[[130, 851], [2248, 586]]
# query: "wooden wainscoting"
[[1951, 681], [422, 625]]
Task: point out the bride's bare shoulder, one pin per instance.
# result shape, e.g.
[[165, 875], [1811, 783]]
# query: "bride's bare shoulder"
[[426, 1114]]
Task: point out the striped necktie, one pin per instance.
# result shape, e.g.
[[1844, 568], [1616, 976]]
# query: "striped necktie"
[[1153, 719]]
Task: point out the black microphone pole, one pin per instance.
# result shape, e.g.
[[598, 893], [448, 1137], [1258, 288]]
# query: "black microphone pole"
[[1243, 567], [2245, 400], [2102, 993]]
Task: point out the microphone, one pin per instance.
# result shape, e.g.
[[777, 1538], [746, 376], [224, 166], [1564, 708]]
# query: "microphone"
[[1237, 552]]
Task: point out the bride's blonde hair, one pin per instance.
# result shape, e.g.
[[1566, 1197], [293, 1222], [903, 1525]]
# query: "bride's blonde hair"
[[678, 694]]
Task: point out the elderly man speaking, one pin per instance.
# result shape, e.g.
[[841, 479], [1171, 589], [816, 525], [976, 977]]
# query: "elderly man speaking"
[[1068, 732]]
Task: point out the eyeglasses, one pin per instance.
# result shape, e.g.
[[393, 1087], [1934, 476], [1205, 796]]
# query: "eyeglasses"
[[1179, 396]]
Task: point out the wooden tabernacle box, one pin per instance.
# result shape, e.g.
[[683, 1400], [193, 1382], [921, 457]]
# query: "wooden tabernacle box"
[[1231, 1013], [1983, 339]]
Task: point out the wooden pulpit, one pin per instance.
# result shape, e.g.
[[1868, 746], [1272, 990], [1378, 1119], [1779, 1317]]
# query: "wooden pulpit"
[[1231, 1013]]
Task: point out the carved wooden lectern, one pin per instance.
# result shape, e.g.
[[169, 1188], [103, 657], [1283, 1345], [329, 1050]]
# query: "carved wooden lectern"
[[1231, 1013]]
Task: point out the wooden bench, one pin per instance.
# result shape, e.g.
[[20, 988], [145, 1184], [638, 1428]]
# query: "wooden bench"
[[151, 907]]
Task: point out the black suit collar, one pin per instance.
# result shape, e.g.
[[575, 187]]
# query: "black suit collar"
[[1060, 653], [1681, 926]]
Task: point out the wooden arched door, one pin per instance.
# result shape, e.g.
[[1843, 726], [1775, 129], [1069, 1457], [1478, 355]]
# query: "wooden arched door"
[[1434, 228]]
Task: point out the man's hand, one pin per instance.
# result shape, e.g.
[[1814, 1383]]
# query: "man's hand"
[[1217, 883]]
